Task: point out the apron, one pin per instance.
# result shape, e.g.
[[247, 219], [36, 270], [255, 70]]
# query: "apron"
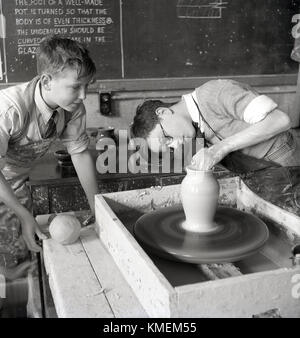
[[20, 158]]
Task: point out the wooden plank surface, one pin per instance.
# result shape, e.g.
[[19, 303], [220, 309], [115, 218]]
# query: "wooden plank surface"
[[242, 296], [75, 288], [119, 294]]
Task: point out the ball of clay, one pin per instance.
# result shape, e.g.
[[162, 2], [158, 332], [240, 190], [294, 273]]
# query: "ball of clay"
[[65, 229]]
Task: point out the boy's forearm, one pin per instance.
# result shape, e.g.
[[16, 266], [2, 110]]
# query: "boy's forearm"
[[274, 124], [86, 171]]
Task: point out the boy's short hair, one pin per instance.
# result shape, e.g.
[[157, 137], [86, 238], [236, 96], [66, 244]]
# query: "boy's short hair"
[[55, 53], [146, 119]]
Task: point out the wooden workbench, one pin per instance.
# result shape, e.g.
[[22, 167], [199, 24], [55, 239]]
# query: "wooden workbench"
[[85, 281]]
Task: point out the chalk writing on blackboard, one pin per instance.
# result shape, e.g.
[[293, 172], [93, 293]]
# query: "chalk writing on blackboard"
[[89, 24], [200, 9], [95, 23]]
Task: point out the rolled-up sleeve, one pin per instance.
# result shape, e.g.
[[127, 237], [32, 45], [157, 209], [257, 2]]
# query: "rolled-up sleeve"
[[74, 136], [258, 109], [242, 102]]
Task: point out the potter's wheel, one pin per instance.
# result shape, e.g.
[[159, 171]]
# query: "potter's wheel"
[[238, 235]]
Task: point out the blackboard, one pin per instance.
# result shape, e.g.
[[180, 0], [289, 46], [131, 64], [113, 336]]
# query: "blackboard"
[[131, 39], [180, 38]]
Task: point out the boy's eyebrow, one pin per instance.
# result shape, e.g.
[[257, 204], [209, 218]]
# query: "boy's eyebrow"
[[74, 84], [78, 81]]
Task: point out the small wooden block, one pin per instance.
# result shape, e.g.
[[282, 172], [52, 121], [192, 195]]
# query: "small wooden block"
[[219, 271]]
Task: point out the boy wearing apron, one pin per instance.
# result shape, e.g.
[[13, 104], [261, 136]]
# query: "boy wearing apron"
[[32, 116]]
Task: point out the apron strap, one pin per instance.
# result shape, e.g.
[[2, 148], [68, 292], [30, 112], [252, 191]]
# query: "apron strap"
[[27, 107], [20, 134], [204, 120]]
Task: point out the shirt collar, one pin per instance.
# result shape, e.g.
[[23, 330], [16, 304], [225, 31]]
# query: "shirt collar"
[[192, 108], [45, 111]]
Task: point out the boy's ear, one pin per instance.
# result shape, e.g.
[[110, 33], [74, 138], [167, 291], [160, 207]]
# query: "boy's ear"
[[46, 81], [160, 111]]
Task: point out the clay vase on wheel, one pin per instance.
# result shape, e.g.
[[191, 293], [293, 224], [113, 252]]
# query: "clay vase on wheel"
[[199, 196]]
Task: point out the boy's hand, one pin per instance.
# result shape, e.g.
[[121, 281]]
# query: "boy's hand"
[[19, 271], [206, 158], [30, 228]]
